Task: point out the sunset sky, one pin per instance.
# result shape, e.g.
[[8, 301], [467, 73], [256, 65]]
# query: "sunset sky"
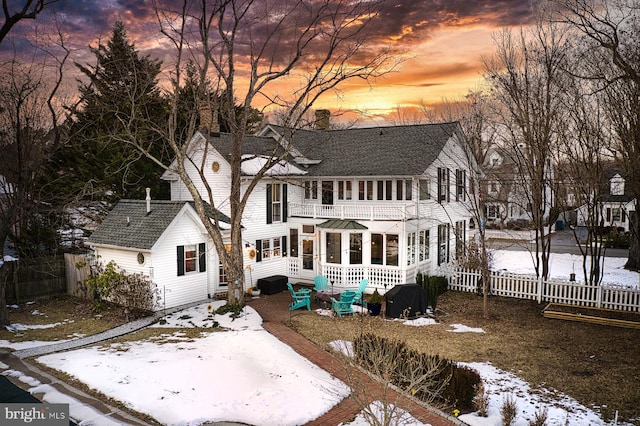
[[444, 41]]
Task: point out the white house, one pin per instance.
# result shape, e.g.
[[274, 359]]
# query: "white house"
[[505, 187], [378, 203], [616, 205], [164, 240]]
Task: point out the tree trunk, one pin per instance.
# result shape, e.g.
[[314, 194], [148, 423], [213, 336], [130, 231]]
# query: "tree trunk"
[[633, 261], [4, 313]]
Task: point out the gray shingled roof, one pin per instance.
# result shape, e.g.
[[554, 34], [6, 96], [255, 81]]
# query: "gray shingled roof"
[[143, 229], [375, 151], [129, 225]]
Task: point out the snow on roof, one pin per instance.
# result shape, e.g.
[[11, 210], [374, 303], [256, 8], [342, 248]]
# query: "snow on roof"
[[252, 164]]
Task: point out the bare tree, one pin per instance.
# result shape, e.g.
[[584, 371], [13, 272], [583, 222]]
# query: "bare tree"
[[611, 43], [15, 12], [473, 114], [29, 118], [582, 161], [526, 74], [281, 55]]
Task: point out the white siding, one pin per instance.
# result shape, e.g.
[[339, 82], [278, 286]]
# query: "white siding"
[[256, 228], [192, 287], [126, 260], [219, 181]]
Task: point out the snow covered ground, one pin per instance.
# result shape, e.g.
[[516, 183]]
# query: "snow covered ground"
[[563, 264], [247, 375]]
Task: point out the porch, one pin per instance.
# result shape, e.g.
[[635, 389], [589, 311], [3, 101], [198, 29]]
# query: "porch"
[[380, 277], [388, 211]]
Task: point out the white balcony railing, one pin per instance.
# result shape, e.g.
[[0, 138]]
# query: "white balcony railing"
[[354, 211]]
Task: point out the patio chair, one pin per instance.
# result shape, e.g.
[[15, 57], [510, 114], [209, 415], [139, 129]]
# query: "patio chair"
[[343, 306], [360, 291], [301, 298], [320, 282]]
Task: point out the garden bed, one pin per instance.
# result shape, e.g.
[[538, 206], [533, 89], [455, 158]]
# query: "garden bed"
[[593, 315]]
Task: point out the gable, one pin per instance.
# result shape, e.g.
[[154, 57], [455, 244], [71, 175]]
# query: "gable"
[[129, 225]]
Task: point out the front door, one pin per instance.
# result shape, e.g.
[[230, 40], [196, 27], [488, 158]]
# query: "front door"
[[307, 255]]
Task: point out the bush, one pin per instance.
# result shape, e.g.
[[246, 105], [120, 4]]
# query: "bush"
[[481, 401], [461, 389], [540, 417], [509, 410], [434, 286], [617, 240], [427, 377], [134, 292]]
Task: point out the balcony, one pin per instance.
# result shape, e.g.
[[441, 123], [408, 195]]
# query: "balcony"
[[390, 211]]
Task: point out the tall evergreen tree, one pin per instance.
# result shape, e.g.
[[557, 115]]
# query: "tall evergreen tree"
[[120, 99]]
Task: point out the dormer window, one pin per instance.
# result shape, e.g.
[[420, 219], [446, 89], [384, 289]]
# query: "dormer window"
[[617, 185]]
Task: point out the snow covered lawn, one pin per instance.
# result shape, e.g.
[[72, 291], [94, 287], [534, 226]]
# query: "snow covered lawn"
[[247, 375], [242, 375]]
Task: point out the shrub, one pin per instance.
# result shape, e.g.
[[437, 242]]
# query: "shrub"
[[509, 410], [471, 258], [375, 297], [434, 287], [134, 292], [461, 389], [481, 400], [540, 417], [234, 308], [617, 240], [427, 377]]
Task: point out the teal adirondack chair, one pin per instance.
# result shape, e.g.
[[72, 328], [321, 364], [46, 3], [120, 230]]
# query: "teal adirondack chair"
[[301, 298], [343, 306], [320, 282], [360, 290]]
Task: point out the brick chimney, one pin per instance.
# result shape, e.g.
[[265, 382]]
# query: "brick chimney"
[[208, 119], [323, 119]]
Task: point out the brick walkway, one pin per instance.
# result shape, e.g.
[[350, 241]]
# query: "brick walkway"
[[275, 313]]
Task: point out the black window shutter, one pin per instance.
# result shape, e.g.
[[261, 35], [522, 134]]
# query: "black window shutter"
[[202, 255], [284, 245], [180, 260], [448, 185], [269, 203], [258, 250], [439, 185], [284, 202]]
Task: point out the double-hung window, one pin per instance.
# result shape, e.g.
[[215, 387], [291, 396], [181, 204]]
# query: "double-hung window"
[[276, 202], [461, 184], [443, 184], [423, 252], [311, 190], [191, 258], [424, 189], [269, 248]]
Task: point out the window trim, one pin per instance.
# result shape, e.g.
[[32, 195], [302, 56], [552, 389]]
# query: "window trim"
[[200, 258]]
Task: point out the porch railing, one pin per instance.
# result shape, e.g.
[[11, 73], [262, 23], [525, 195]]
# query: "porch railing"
[[380, 277], [354, 211]]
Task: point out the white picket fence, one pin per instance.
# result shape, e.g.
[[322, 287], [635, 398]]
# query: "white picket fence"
[[553, 291]]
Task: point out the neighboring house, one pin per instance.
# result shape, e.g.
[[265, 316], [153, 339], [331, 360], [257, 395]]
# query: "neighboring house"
[[505, 189], [377, 203], [163, 240], [617, 204]]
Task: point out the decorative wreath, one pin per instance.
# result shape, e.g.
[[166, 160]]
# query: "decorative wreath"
[[252, 253]]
